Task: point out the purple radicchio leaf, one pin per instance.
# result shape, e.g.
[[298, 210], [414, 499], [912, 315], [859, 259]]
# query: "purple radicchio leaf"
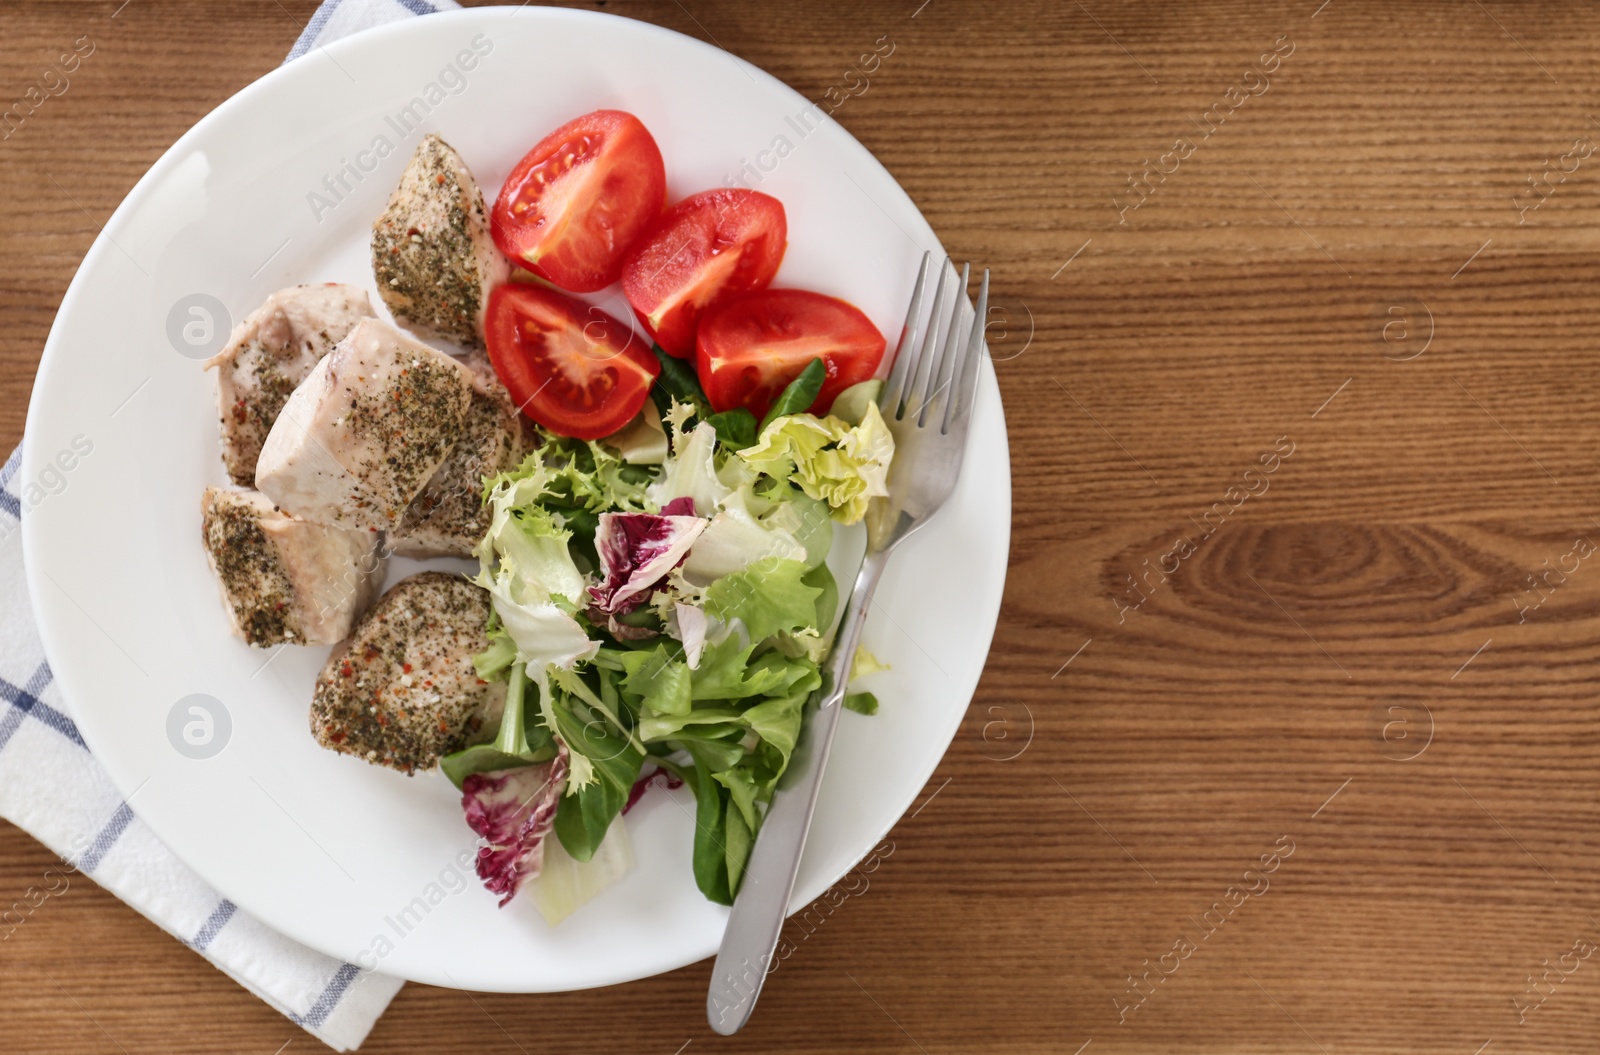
[[679, 507], [655, 778], [637, 550], [513, 810]]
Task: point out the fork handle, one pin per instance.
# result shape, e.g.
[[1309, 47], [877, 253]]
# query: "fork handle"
[[762, 904]]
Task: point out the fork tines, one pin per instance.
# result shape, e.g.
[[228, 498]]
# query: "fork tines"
[[935, 370]]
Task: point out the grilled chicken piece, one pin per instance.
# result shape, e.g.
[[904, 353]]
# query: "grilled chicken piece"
[[271, 352], [287, 580], [366, 430], [449, 518], [402, 690], [432, 254]]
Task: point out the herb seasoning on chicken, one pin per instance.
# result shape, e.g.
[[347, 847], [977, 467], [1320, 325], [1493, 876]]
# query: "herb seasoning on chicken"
[[363, 434], [402, 691], [432, 254], [449, 517], [286, 580], [270, 353]]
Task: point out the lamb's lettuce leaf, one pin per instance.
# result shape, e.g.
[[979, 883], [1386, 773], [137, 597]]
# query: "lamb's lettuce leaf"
[[678, 384], [798, 395], [613, 761], [736, 428]]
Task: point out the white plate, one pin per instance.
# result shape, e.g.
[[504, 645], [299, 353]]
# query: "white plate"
[[324, 848]]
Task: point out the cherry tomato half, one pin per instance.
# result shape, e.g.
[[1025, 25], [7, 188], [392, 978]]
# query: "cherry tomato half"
[[706, 248], [580, 198], [753, 345], [568, 365]]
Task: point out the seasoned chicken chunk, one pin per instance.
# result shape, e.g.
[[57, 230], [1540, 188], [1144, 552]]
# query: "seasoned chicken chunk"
[[402, 691], [287, 580], [271, 352], [432, 254], [366, 430], [449, 518]]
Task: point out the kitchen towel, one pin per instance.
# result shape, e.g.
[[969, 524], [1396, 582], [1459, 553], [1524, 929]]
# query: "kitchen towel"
[[52, 788]]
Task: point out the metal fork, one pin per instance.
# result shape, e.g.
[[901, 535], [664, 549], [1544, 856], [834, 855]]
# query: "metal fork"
[[927, 404]]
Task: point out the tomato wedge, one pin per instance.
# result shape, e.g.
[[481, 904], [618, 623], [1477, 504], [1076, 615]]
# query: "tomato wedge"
[[580, 199], [568, 365], [706, 248], [750, 347]]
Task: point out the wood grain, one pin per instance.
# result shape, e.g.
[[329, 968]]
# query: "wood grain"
[[1121, 768]]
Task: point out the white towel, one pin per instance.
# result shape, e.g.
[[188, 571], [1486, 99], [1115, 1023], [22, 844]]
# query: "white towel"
[[52, 788]]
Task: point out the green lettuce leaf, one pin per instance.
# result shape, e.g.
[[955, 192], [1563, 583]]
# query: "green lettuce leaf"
[[769, 596], [831, 460], [658, 681], [861, 703]]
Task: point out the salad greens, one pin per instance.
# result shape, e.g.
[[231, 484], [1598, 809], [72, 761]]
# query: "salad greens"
[[799, 394], [663, 614], [678, 383], [831, 460]]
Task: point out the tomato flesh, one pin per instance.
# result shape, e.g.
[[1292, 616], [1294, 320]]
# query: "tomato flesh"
[[568, 365], [706, 249], [750, 347], [579, 200]]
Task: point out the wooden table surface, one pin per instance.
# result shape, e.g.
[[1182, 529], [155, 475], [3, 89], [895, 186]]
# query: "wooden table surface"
[[1287, 741]]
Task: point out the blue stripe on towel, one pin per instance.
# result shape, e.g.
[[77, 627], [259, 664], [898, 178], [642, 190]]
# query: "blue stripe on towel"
[[308, 39], [106, 839], [330, 997], [213, 925], [25, 702], [13, 463]]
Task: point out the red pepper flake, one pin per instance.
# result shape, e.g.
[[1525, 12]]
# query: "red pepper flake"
[[482, 682], [383, 719], [337, 738], [412, 230], [443, 728], [406, 667], [439, 179], [345, 671]]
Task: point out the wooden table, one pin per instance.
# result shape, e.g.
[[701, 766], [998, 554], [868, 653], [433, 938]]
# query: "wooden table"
[[1353, 245]]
